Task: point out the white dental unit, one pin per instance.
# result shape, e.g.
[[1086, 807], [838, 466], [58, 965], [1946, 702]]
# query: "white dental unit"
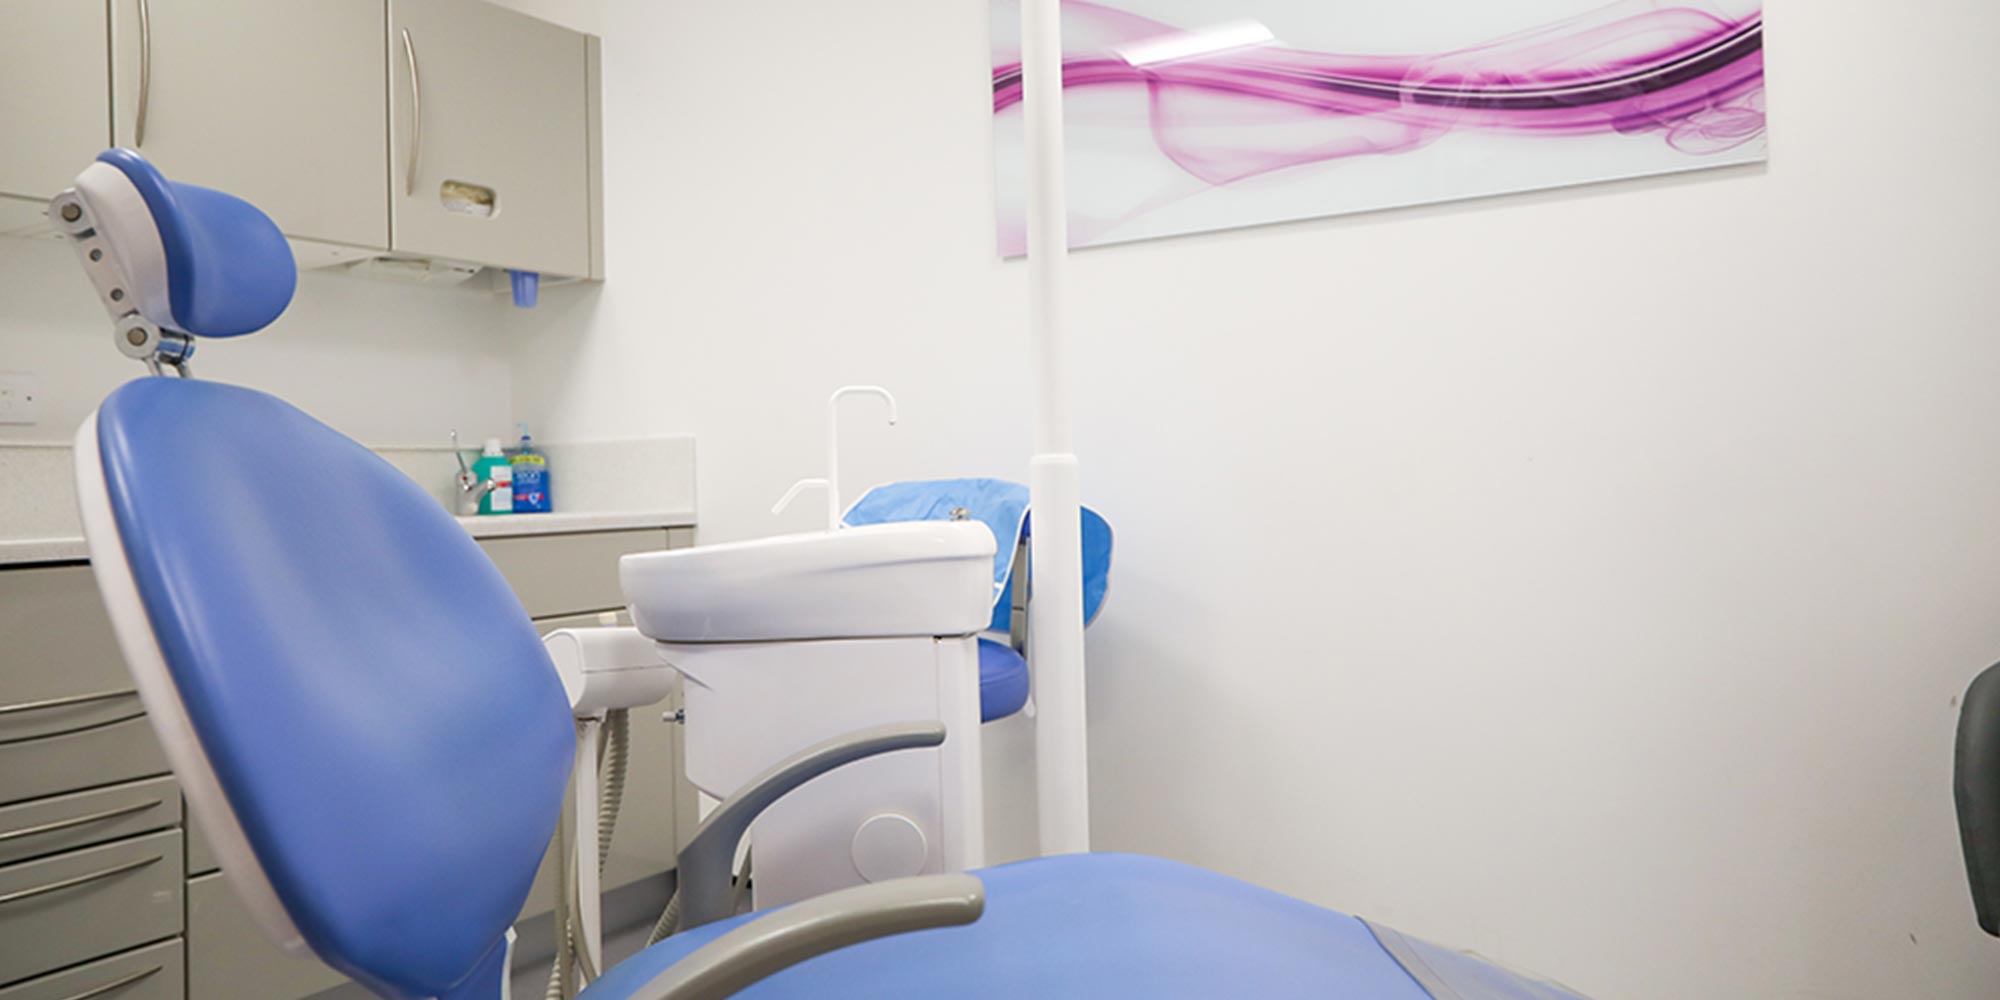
[[786, 642]]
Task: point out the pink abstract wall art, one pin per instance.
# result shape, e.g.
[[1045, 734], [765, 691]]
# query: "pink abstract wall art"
[[1195, 115]]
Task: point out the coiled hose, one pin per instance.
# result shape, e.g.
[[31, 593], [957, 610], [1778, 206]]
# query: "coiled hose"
[[613, 755]]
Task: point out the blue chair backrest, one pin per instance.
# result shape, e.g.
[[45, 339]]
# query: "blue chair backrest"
[[377, 711]]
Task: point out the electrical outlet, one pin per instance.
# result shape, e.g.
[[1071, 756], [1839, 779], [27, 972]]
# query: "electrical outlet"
[[20, 398]]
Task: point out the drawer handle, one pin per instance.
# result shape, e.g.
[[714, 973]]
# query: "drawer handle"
[[74, 822], [115, 984], [79, 699], [106, 724], [71, 883]]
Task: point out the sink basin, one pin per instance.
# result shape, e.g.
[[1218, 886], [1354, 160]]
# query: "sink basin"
[[925, 578]]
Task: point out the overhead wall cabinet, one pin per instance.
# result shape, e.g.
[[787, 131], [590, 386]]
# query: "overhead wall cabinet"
[[280, 104], [55, 100], [491, 153], [414, 130]]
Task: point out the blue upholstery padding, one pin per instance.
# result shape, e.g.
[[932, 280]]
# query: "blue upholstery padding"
[[1088, 927], [229, 269], [1096, 561], [1003, 507], [1003, 680], [378, 709]]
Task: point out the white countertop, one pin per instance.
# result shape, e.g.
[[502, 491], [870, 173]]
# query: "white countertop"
[[72, 549], [601, 486], [567, 523]]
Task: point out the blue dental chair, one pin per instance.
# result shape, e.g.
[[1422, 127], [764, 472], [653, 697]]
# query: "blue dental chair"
[[369, 729]]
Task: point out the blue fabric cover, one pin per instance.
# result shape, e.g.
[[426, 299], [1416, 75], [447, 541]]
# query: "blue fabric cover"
[[229, 269], [1003, 507], [1088, 927], [378, 708], [1003, 680]]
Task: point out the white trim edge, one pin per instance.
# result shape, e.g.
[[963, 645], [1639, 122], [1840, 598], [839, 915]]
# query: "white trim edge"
[[162, 699]]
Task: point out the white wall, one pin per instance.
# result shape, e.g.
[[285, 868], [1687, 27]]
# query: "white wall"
[[1583, 578], [392, 365]]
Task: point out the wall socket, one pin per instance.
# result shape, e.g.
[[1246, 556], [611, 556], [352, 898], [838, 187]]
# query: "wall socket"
[[20, 398]]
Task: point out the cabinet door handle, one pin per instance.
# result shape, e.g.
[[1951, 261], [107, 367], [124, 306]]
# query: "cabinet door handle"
[[145, 70], [77, 699], [74, 730], [416, 116], [71, 883], [115, 984], [75, 821]]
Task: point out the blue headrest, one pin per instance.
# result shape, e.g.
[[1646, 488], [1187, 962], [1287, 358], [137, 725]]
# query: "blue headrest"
[[378, 710], [229, 269]]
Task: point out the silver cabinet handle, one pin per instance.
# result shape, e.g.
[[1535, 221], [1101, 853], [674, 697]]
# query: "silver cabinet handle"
[[145, 70], [107, 988], [74, 730], [71, 883], [416, 116], [75, 821], [77, 699]]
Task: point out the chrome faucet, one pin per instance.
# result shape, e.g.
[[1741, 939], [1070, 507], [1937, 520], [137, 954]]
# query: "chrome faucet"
[[471, 488]]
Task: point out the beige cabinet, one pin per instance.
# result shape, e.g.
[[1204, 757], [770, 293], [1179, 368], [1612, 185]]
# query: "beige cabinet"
[[153, 972], [281, 104], [88, 903], [69, 717], [490, 141], [55, 101], [452, 129], [228, 957]]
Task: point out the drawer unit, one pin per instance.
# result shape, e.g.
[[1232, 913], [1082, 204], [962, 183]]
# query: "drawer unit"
[[69, 908], [49, 750], [57, 637], [569, 574], [81, 819], [68, 717], [155, 972], [230, 959]]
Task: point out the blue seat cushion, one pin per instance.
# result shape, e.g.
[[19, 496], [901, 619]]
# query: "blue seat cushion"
[[377, 707], [1092, 926], [1003, 680], [229, 269]]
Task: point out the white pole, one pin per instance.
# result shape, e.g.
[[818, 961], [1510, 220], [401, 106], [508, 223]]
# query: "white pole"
[[589, 895], [1055, 639]]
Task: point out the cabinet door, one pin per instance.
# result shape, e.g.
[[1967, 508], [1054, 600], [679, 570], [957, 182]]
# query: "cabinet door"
[[55, 99], [281, 104], [228, 958], [489, 145]]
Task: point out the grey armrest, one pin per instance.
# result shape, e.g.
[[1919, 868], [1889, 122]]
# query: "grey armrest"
[[784, 938], [707, 861]]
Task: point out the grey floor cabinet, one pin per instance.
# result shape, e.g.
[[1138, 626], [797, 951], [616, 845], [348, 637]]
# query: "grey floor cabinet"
[[105, 890]]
